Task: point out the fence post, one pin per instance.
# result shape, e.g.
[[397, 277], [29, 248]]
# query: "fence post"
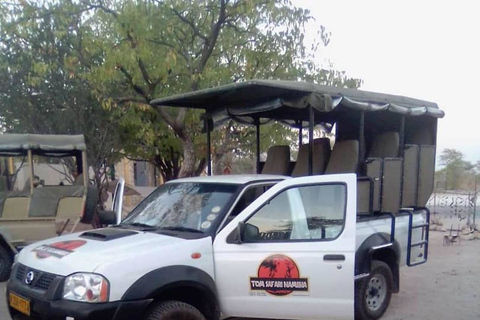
[[475, 204]]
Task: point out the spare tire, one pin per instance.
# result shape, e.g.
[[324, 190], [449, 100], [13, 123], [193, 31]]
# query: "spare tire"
[[90, 204]]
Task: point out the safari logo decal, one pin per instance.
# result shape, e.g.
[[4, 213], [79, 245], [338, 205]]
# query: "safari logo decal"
[[58, 249], [279, 276]]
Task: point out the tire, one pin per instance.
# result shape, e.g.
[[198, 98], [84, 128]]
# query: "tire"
[[5, 264], [373, 293], [90, 204], [174, 310]]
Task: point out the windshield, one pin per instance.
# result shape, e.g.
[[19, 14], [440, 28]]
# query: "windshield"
[[183, 206]]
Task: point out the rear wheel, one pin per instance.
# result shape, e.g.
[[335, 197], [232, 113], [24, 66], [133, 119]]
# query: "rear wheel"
[[373, 293], [5, 264], [174, 310]]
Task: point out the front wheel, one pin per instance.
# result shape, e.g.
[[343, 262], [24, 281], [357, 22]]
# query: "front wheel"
[[5, 264], [174, 310], [373, 293]]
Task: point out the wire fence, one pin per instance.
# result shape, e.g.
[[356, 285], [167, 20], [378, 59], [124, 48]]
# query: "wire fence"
[[456, 207]]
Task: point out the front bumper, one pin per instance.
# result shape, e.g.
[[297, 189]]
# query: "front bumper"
[[45, 308]]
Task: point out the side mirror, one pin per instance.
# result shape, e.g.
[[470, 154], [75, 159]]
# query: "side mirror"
[[251, 232], [246, 232], [239, 236], [107, 217]]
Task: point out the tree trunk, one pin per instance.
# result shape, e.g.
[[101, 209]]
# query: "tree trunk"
[[222, 149], [169, 169], [218, 163], [189, 159]]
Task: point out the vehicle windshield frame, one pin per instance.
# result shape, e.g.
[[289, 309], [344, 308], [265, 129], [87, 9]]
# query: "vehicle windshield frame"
[[210, 231]]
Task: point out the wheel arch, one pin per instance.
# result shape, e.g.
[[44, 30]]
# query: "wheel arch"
[[183, 283], [378, 247], [7, 245]]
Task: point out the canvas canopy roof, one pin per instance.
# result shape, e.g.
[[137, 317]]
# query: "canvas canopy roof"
[[289, 101], [48, 144]]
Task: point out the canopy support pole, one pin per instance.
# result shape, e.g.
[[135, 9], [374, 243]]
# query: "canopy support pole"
[[30, 163], [257, 124], [84, 169], [209, 145], [401, 153], [361, 139], [402, 137], [300, 134], [311, 124]]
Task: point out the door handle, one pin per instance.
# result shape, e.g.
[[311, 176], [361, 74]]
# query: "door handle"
[[334, 257]]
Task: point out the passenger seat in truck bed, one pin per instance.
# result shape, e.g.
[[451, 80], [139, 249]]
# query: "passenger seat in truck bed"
[[344, 157], [278, 160], [385, 168], [320, 157], [385, 145]]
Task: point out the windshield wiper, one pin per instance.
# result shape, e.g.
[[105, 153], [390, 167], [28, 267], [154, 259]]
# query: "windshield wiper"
[[179, 228], [144, 226]]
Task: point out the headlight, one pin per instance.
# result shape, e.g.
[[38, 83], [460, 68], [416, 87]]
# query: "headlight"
[[86, 287]]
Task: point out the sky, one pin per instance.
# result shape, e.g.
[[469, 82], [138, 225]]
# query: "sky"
[[422, 49]]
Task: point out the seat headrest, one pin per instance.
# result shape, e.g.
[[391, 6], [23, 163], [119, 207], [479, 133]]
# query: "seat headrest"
[[321, 154], [385, 145], [344, 158], [278, 160]]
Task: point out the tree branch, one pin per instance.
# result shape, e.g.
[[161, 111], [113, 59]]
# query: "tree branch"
[[144, 72], [167, 117], [195, 30], [164, 43], [137, 88], [123, 100], [211, 41], [101, 7]]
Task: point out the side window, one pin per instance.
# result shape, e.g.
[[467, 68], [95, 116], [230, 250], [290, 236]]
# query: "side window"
[[250, 195], [300, 213]]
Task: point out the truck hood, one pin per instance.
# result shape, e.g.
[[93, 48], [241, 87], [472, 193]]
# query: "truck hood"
[[87, 251]]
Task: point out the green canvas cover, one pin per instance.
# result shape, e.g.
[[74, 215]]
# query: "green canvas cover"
[[289, 101], [45, 199], [18, 144]]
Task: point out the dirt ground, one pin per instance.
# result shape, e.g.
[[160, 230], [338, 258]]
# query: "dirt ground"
[[445, 288]]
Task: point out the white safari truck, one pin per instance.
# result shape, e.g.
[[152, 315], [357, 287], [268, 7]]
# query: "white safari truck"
[[321, 237]]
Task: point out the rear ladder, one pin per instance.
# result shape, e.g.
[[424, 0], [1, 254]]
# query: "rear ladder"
[[423, 243]]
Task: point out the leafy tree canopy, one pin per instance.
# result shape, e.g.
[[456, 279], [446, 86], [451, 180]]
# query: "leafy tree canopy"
[[42, 88], [125, 53], [457, 173]]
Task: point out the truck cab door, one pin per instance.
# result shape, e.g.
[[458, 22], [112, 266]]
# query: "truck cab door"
[[290, 254]]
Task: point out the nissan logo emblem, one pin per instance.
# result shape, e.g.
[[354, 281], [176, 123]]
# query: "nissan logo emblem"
[[29, 277]]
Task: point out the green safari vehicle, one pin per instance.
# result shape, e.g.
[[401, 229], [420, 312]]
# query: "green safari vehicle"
[[34, 210]]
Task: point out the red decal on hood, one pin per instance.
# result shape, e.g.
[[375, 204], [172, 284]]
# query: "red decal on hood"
[[58, 249]]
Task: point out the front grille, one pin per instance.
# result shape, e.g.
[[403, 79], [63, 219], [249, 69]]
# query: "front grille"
[[21, 271], [42, 280]]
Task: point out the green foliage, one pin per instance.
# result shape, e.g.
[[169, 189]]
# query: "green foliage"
[[456, 173], [122, 54], [167, 47], [42, 84]]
